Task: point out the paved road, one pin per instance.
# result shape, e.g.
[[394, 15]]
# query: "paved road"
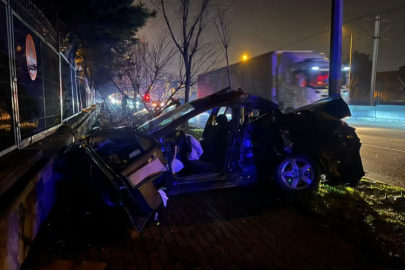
[[383, 151], [218, 229]]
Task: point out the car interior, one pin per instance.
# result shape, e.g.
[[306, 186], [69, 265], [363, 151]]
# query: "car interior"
[[120, 151], [262, 133], [213, 130]]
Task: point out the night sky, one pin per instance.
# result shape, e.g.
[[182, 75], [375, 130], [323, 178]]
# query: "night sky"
[[260, 26]]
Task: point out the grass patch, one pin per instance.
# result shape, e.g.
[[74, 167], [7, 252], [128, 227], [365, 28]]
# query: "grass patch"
[[372, 214], [195, 132]]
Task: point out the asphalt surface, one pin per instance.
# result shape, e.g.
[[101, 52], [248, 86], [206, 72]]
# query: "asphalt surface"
[[383, 151]]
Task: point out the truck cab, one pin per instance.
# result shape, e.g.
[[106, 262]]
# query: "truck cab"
[[304, 82]]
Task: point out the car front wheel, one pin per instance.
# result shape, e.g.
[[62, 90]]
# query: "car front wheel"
[[297, 173]]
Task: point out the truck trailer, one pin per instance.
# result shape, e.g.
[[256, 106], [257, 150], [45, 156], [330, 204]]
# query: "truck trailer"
[[290, 78]]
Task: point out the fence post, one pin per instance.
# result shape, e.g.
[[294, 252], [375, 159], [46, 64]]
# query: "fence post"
[[13, 76], [60, 85], [73, 85]]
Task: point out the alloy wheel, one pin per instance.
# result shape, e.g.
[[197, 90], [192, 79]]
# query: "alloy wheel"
[[297, 173]]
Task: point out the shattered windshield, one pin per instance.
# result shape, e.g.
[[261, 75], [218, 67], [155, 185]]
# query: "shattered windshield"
[[165, 119]]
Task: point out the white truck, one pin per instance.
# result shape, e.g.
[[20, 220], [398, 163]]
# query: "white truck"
[[291, 78]]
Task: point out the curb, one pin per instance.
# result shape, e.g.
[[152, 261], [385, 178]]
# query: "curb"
[[380, 120]]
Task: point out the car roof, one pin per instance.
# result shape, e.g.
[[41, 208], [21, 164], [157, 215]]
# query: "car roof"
[[222, 97]]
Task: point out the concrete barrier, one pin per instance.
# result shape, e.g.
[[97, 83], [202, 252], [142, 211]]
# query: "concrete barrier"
[[390, 112], [380, 113], [363, 111]]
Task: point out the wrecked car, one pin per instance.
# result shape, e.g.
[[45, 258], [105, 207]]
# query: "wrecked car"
[[241, 138]]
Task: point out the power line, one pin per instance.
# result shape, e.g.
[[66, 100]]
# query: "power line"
[[350, 21], [358, 33], [402, 19]]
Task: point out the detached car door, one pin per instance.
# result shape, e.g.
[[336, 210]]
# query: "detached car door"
[[134, 164]]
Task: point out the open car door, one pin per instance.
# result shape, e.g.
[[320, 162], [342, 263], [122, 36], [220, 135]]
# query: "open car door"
[[133, 164]]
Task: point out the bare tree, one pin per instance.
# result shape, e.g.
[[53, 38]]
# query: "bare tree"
[[141, 70], [192, 18], [354, 85], [145, 68], [223, 27]]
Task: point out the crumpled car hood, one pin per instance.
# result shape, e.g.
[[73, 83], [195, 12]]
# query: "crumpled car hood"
[[335, 107]]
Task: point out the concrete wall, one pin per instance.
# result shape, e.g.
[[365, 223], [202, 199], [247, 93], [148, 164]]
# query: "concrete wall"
[[32, 197], [393, 113], [20, 223]]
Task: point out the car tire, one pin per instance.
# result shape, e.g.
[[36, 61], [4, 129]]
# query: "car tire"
[[297, 174]]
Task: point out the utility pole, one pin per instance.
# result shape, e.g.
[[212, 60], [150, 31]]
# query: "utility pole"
[[335, 64], [350, 60], [376, 36], [377, 22]]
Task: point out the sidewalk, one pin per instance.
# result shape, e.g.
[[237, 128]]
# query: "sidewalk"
[[219, 229]]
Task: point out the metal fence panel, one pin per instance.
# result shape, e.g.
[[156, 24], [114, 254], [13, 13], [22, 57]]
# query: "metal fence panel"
[[81, 91], [33, 17], [50, 69], [37, 67], [67, 89], [7, 138], [76, 104], [30, 83], [45, 89]]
